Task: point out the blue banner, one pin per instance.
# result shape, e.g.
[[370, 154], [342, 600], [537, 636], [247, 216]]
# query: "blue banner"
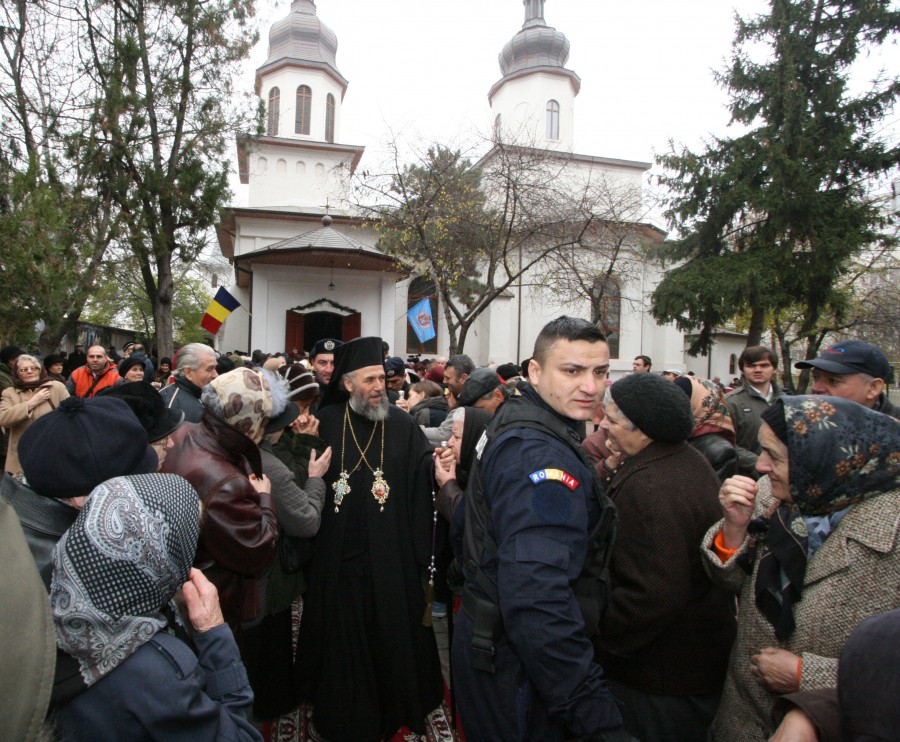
[[420, 319]]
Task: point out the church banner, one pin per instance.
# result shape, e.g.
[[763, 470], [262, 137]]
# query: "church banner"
[[420, 319]]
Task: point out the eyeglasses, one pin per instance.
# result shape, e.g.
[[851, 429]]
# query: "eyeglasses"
[[28, 368]]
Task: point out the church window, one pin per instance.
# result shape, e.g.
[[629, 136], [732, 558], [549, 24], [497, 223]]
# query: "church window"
[[304, 109], [262, 166], [606, 310], [281, 166], [329, 118], [301, 167], [320, 170], [552, 120], [274, 112], [422, 288], [732, 365]]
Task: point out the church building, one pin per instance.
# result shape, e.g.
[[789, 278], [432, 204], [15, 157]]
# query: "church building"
[[306, 266]]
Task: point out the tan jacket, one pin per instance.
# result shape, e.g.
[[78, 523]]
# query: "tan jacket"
[[16, 417], [854, 574]]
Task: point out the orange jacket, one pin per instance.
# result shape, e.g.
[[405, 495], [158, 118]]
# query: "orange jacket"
[[81, 382]]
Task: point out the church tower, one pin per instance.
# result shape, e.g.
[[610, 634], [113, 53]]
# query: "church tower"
[[533, 104], [299, 161]]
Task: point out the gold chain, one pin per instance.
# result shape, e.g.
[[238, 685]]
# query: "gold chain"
[[362, 453]]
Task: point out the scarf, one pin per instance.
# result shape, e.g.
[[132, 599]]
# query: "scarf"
[[839, 454], [475, 422], [42, 379], [116, 570], [243, 399], [709, 410]]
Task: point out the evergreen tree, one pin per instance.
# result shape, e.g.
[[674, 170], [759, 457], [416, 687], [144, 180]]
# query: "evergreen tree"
[[767, 221]]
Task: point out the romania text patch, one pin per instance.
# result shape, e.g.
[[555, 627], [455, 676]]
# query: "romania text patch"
[[545, 475]]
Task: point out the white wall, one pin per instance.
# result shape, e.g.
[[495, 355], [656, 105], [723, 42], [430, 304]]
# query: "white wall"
[[287, 80], [285, 176], [522, 104]]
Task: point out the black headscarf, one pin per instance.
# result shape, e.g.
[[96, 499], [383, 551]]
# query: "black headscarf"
[[475, 421], [839, 453]]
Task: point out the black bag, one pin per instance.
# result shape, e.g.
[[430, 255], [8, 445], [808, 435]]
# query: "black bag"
[[294, 552]]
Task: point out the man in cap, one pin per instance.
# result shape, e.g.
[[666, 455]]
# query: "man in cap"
[[322, 358], [64, 455], [663, 612], [195, 368], [395, 378], [856, 371], [362, 625], [484, 390], [97, 373], [522, 654], [746, 404]]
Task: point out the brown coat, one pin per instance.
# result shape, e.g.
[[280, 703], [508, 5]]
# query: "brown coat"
[[16, 417], [854, 574]]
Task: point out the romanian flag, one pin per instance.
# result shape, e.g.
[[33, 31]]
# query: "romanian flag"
[[218, 310]]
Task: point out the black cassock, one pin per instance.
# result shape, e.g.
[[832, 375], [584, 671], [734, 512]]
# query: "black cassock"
[[364, 658]]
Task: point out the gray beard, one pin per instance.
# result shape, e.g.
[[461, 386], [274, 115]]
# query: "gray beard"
[[360, 405]]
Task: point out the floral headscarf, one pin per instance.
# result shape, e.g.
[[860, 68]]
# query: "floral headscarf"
[[242, 399], [709, 410], [839, 453], [117, 568]]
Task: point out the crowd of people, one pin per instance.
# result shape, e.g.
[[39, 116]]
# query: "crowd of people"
[[346, 546]]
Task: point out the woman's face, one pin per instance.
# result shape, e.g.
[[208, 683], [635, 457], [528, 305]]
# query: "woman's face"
[[135, 373], [774, 461], [161, 446], [455, 442], [55, 368], [29, 371], [414, 398]]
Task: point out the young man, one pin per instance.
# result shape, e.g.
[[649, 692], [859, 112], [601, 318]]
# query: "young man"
[[537, 533], [746, 404], [641, 364]]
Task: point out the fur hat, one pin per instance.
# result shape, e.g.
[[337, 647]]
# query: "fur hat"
[[145, 402], [658, 408]]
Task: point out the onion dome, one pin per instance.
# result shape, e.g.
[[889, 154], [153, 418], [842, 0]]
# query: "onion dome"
[[302, 37], [535, 45]]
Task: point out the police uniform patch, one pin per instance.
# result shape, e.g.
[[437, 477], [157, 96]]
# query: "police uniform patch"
[[328, 345], [556, 475]]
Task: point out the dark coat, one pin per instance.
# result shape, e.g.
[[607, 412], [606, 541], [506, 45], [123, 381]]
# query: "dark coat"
[[185, 396], [745, 406], [720, 454], [667, 630], [240, 530], [164, 691], [430, 412]]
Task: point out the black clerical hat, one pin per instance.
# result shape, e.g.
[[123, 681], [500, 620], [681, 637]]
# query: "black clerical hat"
[[351, 356]]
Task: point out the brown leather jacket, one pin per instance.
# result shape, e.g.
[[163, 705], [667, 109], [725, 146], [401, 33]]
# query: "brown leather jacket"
[[240, 531]]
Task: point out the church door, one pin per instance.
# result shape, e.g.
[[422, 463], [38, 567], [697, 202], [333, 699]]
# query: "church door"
[[293, 330]]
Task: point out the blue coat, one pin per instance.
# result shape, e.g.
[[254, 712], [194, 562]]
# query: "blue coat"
[[165, 692], [546, 684]]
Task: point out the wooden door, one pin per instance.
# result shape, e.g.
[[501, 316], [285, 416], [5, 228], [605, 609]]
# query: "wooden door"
[[293, 330], [351, 327]]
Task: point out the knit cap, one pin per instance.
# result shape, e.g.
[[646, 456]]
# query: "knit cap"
[[658, 408]]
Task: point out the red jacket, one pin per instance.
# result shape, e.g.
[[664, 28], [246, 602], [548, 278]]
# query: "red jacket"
[[81, 382]]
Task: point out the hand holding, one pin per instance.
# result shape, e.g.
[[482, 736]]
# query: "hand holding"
[[202, 601], [403, 404], [39, 397], [318, 465], [444, 465], [737, 496], [260, 485], [776, 669]]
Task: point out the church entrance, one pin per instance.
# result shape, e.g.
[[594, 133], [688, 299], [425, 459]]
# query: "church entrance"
[[305, 329]]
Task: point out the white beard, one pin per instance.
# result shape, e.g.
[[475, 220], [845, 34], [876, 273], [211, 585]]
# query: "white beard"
[[361, 406]]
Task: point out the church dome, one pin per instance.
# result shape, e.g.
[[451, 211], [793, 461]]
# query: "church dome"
[[535, 45], [302, 37]]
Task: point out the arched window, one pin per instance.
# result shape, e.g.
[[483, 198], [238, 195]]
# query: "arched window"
[[422, 288], [274, 111], [304, 109], [732, 364], [552, 120], [606, 311], [329, 118]]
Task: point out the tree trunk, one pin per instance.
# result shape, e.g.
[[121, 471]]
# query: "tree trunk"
[[162, 309], [784, 350], [757, 325]]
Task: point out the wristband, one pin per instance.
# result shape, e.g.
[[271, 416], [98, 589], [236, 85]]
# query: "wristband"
[[799, 670]]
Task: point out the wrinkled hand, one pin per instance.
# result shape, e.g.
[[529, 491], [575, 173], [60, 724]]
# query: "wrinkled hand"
[[775, 669], [306, 425], [795, 727], [403, 404], [319, 465], [737, 497], [39, 397], [202, 601], [444, 465], [260, 485]]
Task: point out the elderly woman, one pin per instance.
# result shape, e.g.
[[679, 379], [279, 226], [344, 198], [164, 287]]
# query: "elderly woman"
[[123, 673], [220, 457], [131, 369], [812, 548], [453, 463], [32, 395], [713, 433]]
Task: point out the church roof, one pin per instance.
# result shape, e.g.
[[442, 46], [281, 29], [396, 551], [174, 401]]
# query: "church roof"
[[302, 39], [537, 47], [324, 238]]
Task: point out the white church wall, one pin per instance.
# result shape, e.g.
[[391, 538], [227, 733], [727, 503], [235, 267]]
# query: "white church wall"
[[309, 179], [287, 80], [235, 332], [522, 106]]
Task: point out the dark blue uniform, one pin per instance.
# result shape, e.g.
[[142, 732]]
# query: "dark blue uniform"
[[546, 684]]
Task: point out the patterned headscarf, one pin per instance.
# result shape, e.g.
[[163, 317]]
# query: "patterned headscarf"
[[117, 568], [839, 453], [242, 399], [709, 410]]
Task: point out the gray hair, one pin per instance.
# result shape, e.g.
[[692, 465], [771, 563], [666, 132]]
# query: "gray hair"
[[608, 399], [189, 357], [28, 357], [461, 363]]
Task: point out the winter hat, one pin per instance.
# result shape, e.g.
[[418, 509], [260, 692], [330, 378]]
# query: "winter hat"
[[9, 353], [480, 382], [658, 408], [68, 452], [242, 399], [435, 374], [127, 363], [394, 366], [304, 386], [52, 358], [506, 371], [145, 402]]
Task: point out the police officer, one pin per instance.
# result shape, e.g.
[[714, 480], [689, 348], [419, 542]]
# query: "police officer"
[[537, 538]]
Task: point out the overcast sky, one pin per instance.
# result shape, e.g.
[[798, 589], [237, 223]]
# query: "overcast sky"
[[423, 68]]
